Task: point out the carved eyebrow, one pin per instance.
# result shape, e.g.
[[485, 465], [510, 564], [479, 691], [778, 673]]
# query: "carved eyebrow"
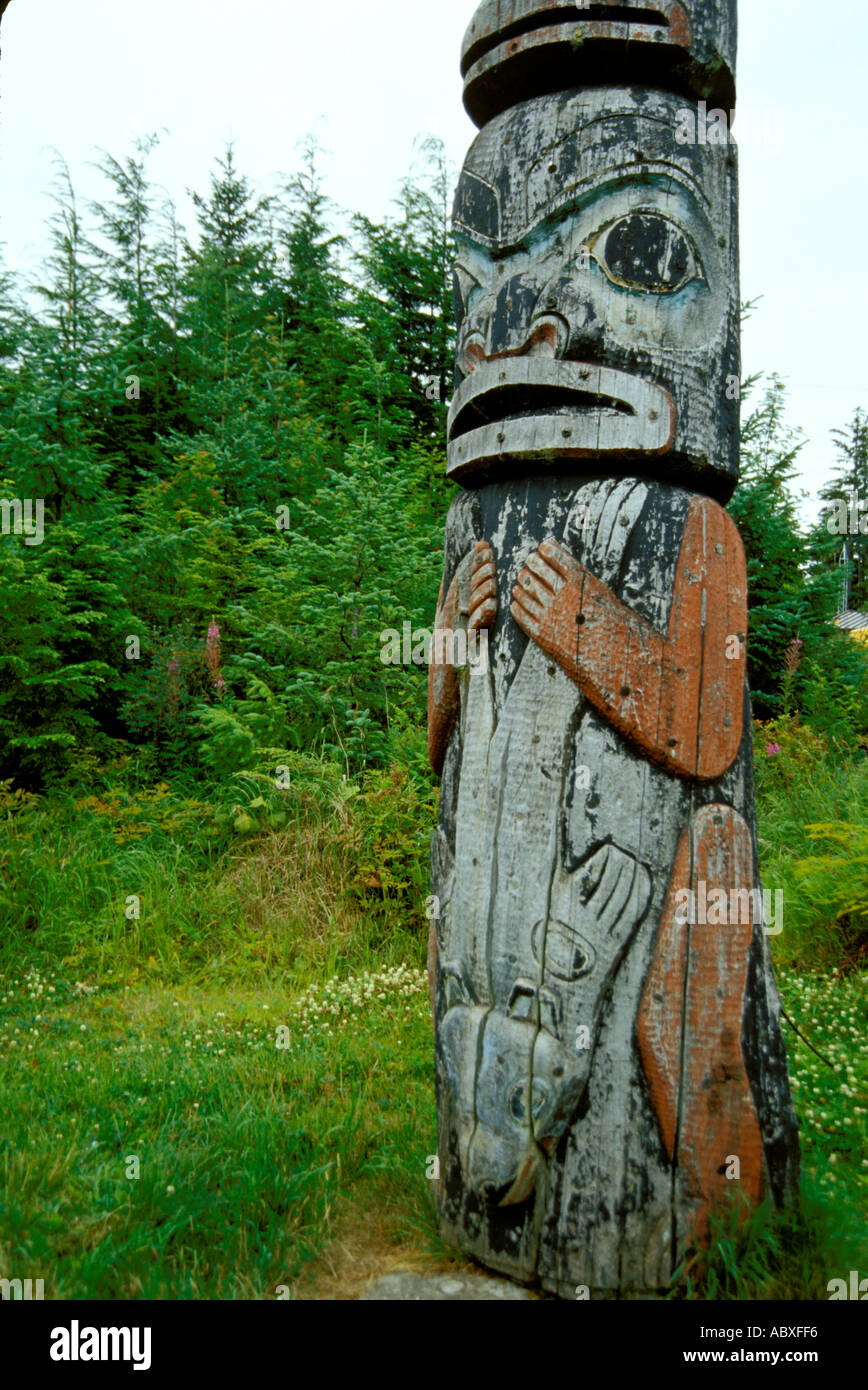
[[655, 179], [577, 201], [470, 252], [659, 178]]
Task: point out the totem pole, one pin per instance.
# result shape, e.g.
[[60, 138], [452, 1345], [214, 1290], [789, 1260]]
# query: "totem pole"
[[609, 1057]]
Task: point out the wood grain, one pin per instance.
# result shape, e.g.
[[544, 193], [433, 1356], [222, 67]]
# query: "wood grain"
[[690, 1024], [516, 48], [607, 1073], [678, 696]]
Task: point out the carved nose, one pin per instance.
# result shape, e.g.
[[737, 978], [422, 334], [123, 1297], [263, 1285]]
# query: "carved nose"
[[547, 338]]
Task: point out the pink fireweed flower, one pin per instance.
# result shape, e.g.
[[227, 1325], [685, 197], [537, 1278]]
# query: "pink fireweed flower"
[[773, 749], [212, 657]]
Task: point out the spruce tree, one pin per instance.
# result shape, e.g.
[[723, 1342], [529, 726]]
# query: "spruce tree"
[[846, 515]]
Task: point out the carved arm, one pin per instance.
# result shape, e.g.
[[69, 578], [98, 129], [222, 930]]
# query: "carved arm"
[[678, 696]]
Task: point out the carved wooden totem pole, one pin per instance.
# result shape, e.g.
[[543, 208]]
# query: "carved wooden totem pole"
[[609, 1056]]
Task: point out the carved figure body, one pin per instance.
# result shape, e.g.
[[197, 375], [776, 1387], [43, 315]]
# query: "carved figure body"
[[600, 1060]]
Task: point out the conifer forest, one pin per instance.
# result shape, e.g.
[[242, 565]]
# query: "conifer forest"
[[223, 495]]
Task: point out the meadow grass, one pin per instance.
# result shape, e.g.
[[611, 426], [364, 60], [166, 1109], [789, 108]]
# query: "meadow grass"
[[258, 1040], [767, 1254], [805, 789], [158, 1143]]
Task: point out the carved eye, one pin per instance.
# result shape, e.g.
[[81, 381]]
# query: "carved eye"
[[645, 251], [518, 1097]]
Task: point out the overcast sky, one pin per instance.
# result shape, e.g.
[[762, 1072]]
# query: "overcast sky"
[[368, 78]]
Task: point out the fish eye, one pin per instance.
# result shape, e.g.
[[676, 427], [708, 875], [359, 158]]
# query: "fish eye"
[[645, 251], [518, 1098]]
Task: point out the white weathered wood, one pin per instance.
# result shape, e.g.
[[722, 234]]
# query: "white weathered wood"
[[641, 423], [591, 1060], [518, 48]]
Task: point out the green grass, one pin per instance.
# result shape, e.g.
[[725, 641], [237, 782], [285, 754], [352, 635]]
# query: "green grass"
[[340, 886], [156, 1035], [794, 1254], [158, 1144], [155, 1038], [810, 783]]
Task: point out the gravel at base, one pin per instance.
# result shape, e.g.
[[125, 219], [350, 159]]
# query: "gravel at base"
[[445, 1288]]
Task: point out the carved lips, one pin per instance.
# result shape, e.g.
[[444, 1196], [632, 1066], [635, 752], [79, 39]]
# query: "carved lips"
[[548, 410]]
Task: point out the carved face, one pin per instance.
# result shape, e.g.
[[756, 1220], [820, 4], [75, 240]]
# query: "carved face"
[[515, 1088], [596, 294], [517, 49]]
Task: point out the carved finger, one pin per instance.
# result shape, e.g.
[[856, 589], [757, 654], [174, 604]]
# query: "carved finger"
[[529, 603], [486, 579], [527, 621], [483, 616], [545, 572], [482, 554], [485, 594], [485, 571], [560, 559], [529, 584]]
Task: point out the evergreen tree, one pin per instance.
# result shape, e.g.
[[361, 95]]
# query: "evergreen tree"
[[845, 519], [47, 438], [239, 389], [316, 302], [405, 301], [790, 598], [135, 396]]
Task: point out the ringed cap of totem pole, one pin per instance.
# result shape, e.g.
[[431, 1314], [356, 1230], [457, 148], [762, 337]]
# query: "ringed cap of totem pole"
[[517, 49]]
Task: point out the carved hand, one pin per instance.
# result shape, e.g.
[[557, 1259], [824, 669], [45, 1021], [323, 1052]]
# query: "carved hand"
[[678, 695], [548, 598], [443, 697], [483, 589]]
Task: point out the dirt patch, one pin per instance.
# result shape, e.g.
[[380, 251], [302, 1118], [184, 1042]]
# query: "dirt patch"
[[365, 1247]]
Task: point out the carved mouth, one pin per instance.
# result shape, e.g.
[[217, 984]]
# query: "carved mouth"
[[547, 410], [507, 403]]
